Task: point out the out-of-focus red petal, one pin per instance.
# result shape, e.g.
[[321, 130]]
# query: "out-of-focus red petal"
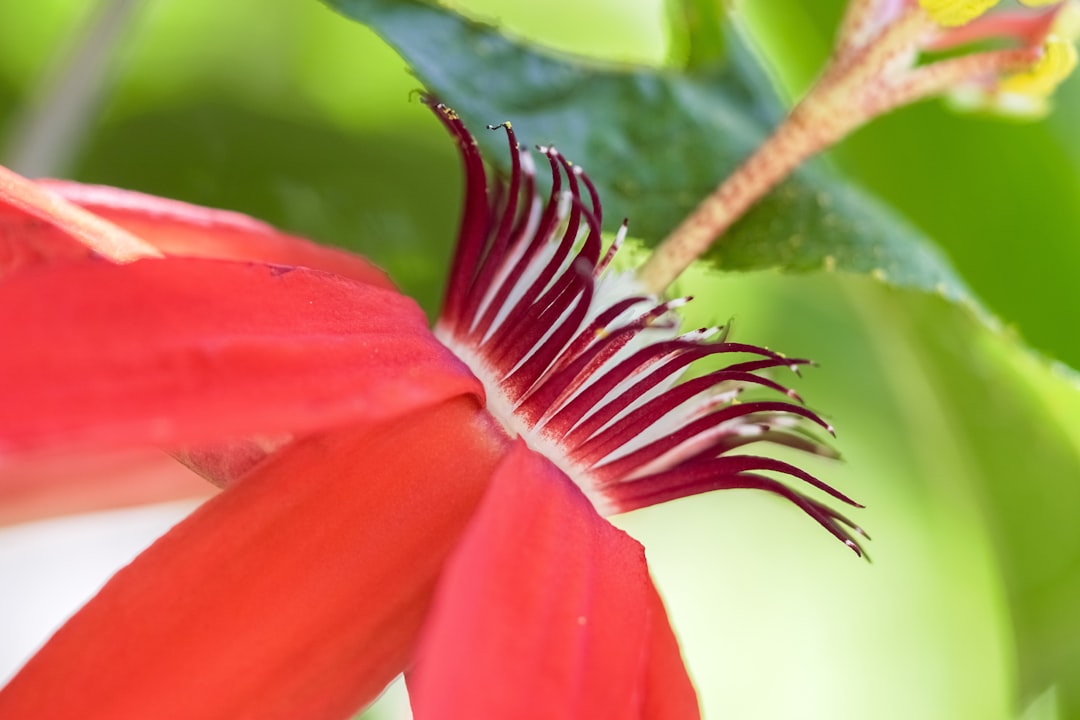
[[37, 225], [179, 228], [182, 351], [546, 610], [50, 486], [298, 592]]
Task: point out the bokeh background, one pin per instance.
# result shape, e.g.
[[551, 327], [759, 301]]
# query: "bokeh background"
[[964, 446]]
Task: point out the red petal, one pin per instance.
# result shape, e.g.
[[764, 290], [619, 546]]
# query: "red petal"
[[26, 240], [180, 352], [668, 691], [296, 593], [47, 487], [37, 225], [179, 228], [545, 610]]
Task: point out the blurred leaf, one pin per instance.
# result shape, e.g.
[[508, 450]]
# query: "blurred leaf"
[[962, 421], [665, 141], [795, 36], [1002, 198], [697, 36], [1013, 419], [897, 424]]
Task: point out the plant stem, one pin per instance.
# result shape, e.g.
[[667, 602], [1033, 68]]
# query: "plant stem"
[[854, 87]]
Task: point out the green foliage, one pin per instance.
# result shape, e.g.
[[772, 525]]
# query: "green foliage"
[[620, 121]]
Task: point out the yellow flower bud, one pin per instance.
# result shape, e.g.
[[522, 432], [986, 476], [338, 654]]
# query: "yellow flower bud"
[[951, 13]]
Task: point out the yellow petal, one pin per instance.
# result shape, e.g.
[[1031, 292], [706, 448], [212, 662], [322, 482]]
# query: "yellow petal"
[[1067, 21], [1057, 61]]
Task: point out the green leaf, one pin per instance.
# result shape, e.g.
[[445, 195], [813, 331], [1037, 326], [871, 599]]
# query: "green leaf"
[[697, 36], [655, 142], [1009, 419]]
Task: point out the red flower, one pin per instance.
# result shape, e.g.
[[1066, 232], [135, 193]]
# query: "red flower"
[[389, 504]]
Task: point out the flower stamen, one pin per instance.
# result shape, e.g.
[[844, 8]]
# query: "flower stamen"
[[587, 367]]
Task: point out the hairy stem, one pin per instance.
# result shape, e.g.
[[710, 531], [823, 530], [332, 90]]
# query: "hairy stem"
[[853, 88]]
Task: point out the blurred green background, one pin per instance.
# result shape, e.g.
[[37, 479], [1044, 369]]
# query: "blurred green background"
[[964, 447]]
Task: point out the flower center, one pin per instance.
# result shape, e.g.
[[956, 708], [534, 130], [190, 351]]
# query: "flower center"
[[588, 369]]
